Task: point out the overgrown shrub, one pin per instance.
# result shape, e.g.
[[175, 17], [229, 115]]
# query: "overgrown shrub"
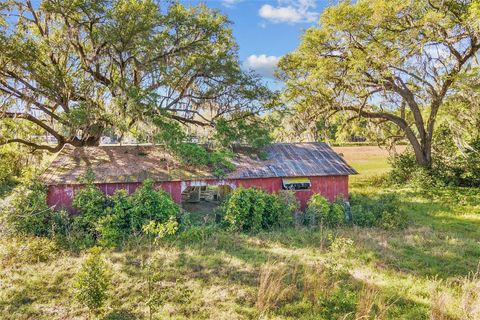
[[402, 167], [276, 212], [91, 203], [60, 224], [383, 211], [252, 209], [317, 210], [243, 210], [450, 166], [92, 281], [337, 211], [116, 225], [321, 212], [291, 204], [29, 213], [10, 169], [149, 204]]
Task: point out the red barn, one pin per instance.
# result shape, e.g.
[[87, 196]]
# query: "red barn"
[[306, 168]]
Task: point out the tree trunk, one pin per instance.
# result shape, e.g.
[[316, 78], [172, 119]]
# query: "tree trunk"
[[88, 141], [92, 141], [423, 152]]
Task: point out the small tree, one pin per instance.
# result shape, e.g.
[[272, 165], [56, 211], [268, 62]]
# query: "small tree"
[[291, 204], [158, 231], [92, 281], [317, 210]]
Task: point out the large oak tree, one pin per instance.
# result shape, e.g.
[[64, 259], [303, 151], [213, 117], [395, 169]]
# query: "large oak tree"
[[75, 69], [393, 62]]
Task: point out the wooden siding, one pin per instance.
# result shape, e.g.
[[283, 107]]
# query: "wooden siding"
[[330, 187]]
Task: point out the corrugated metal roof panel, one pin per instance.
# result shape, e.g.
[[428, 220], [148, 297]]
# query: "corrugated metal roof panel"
[[136, 163]]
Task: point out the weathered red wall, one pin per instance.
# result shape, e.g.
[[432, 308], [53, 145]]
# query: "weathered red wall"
[[330, 187], [61, 196]]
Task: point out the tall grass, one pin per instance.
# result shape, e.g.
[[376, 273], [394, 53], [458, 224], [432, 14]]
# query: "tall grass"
[[275, 286], [444, 306]]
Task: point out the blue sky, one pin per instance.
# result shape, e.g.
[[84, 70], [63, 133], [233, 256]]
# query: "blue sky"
[[266, 30]]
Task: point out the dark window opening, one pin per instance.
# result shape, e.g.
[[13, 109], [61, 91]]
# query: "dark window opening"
[[296, 184]]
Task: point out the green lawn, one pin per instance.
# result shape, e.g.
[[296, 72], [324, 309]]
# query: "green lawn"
[[291, 274]]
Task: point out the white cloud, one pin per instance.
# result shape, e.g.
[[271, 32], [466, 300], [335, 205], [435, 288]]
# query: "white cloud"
[[262, 64], [230, 3], [290, 11]]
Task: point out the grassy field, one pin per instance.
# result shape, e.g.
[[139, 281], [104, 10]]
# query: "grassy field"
[[423, 272]]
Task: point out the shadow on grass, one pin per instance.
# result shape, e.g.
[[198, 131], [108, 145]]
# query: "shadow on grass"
[[120, 315], [438, 243]]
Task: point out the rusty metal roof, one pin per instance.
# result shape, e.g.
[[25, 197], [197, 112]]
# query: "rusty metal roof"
[[135, 163], [297, 160]]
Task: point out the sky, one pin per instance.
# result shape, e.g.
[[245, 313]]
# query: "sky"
[[266, 30]]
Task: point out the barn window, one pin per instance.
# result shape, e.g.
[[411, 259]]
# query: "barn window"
[[296, 184]]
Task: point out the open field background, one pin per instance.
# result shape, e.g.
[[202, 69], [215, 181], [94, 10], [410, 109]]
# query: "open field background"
[[291, 274], [368, 160]]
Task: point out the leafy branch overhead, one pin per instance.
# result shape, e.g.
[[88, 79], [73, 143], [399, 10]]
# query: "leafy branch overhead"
[[391, 62], [75, 70]]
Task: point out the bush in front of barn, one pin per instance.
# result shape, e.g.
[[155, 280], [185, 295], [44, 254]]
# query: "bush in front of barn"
[[383, 211], [320, 212], [253, 210], [107, 220], [28, 213], [112, 220]]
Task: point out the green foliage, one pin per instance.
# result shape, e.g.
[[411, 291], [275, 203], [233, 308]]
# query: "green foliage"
[[252, 131], [450, 166], [320, 212], [291, 205], [182, 63], [402, 167], [191, 153], [252, 209], [60, 225], [29, 213], [220, 162], [337, 211], [161, 230], [149, 204], [368, 52], [457, 162], [10, 168], [276, 212], [110, 221], [197, 155], [172, 135], [383, 211], [90, 201], [116, 225], [92, 281], [242, 210]]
